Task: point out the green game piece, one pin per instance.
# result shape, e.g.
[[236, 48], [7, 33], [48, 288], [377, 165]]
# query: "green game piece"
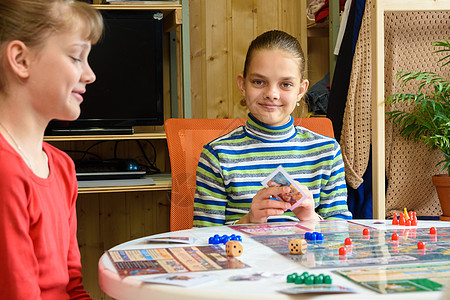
[[306, 274], [319, 279], [310, 280], [327, 279], [290, 278], [300, 279]]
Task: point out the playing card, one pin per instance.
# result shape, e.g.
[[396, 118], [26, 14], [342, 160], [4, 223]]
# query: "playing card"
[[280, 177]]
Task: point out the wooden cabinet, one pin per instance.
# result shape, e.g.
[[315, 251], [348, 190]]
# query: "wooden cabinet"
[[108, 216]]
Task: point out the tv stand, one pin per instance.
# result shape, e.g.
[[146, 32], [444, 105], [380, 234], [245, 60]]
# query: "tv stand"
[[92, 131]]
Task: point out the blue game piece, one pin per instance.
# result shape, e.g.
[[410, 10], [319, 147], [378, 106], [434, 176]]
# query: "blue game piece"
[[224, 239], [232, 237], [211, 240], [319, 236], [216, 239], [308, 236], [314, 236], [238, 238]]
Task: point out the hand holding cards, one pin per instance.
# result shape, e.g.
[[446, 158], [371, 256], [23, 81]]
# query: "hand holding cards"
[[280, 177]]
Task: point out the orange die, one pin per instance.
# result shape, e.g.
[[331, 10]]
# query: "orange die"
[[297, 246], [233, 248]]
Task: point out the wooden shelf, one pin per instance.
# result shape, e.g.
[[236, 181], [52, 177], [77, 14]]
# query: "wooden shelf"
[[161, 135], [318, 29], [163, 182], [165, 8]]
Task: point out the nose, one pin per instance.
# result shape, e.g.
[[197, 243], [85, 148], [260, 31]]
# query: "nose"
[[272, 92], [88, 75]]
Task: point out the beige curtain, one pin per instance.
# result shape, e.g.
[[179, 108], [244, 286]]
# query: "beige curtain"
[[409, 166]]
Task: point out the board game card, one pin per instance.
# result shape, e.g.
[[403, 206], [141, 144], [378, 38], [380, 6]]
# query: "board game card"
[[184, 280], [317, 289], [280, 177], [171, 240]]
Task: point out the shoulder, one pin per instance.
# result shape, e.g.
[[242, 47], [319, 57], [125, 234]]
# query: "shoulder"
[[59, 158], [12, 165], [315, 138], [228, 139], [62, 167]]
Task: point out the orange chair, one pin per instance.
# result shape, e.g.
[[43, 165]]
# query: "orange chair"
[[185, 140]]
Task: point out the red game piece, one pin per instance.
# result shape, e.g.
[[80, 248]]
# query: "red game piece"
[[366, 231], [401, 220], [413, 222], [420, 245], [395, 236], [342, 251], [433, 230], [394, 219], [408, 222], [348, 242]]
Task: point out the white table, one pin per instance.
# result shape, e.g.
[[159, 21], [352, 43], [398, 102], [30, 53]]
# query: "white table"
[[259, 257]]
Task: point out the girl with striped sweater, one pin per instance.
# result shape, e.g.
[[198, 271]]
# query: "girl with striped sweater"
[[231, 168]]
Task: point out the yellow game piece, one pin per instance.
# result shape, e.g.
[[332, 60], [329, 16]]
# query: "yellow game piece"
[[406, 214]]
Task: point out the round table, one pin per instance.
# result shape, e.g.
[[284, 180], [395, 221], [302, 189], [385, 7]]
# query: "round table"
[[260, 258]]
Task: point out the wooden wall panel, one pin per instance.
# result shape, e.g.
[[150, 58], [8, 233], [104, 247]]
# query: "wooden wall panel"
[[221, 31]]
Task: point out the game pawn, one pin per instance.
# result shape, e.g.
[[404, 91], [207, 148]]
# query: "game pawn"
[[366, 234], [394, 219]]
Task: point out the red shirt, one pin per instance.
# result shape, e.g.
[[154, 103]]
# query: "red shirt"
[[39, 254]]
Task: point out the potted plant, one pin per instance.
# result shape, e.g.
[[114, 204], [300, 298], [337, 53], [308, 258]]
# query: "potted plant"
[[429, 119]]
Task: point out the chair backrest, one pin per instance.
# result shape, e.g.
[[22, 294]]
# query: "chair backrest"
[[185, 140]]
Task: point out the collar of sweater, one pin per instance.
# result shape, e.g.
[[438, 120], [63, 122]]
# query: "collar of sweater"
[[260, 131]]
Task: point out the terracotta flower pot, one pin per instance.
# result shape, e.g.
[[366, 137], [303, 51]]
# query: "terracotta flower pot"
[[442, 184]]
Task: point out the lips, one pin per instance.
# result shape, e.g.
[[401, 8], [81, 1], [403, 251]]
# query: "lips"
[[269, 105], [78, 95]]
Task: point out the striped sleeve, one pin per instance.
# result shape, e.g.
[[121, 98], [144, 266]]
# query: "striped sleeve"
[[210, 196]]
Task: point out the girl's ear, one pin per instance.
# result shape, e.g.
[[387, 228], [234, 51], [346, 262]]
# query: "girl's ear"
[[303, 88], [18, 58], [241, 84]]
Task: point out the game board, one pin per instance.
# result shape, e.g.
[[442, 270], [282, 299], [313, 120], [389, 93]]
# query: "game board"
[[376, 249], [400, 279], [172, 260], [296, 228]]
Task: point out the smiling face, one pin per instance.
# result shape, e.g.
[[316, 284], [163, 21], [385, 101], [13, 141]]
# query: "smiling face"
[[59, 74], [273, 85]]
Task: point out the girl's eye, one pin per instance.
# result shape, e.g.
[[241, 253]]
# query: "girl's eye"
[[286, 85], [75, 59], [258, 82]]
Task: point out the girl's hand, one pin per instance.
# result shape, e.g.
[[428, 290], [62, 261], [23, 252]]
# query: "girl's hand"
[[263, 206], [305, 211]]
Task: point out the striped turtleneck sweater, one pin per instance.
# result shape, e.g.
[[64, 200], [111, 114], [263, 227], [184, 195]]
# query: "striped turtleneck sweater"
[[232, 167]]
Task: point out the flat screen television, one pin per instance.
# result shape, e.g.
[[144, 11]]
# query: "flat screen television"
[[128, 64]]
